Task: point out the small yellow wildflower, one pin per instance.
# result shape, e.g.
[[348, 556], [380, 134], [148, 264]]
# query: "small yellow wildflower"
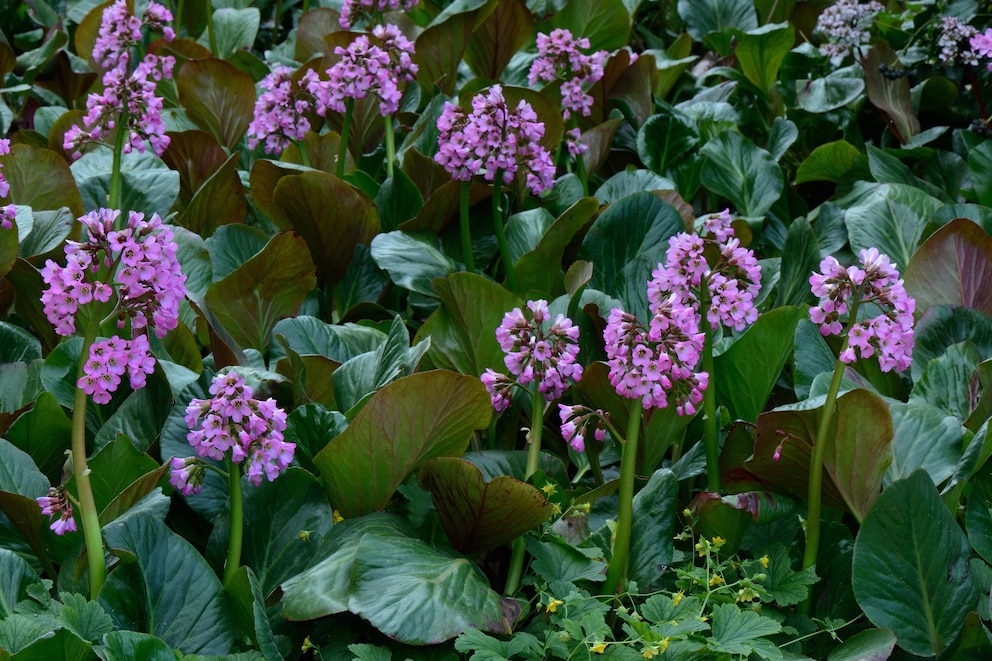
[[305, 535], [585, 508], [555, 509], [686, 513], [716, 580], [677, 597], [598, 648], [701, 549], [718, 541], [651, 652], [703, 618], [553, 605], [307, 645], [548, 489], [764, 561], [336, 515]]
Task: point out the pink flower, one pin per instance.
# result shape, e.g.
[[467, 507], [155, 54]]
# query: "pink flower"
[[57, 503], [280, 110], [559, 56], [575, 421], [844, 23], [186, 475], [353, 11]]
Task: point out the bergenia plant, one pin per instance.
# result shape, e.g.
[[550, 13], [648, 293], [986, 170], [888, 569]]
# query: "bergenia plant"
[[868, 306], [280, 116], [375, 65], [845, 25], [8, 212], [356, 11], [496, 141], [244, 433]]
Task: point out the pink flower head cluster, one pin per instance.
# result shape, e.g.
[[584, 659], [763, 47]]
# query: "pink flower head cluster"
[[494, 138], [57, 504], [575, 421], [8, 212], [375, 65], [353, 11], [109, 360], [186, 474], [890, 333], [128, 97], [981, 44], [729, 286], [534, 354], [954, 42], [235, 425], [120, 30], [280, 111], [559, 56], [657, 364], [844, 23]]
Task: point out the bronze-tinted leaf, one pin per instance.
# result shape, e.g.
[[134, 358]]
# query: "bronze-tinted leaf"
[[313, 27], [891, 96], [953, 267], [218, 97], [195, 155], [505, 31], [40, 179]]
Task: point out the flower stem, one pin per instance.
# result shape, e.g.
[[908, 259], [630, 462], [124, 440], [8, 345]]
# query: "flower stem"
[[116, 176], [504, 250], [580, 166], [304, 156], [237, 523], [92, 535], [617, 571], [210, 27], [712, 439], [466, 232], [390, 146], [179, 17], [533, 459], [345, 130]]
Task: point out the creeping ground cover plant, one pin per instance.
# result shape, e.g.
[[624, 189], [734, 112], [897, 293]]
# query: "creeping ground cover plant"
[[495, 330]]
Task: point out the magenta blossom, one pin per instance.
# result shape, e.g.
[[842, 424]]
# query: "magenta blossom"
[[981, 44], [234, 425], [560, 56], [280, 111], [876, 281], [120, 31], [57, 504], [534, 354], [9, 212], [575, 421], [186, 474], [353, 11]]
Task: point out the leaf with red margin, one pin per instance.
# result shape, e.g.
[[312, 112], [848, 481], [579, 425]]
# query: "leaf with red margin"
[[953, 267]]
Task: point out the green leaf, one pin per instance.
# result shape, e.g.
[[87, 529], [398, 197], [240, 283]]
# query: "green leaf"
[[786, 585], [480, 515], [412, 260], [62, 644], [920, 587], [147, 185], [761, 51], [218, 97], [429, 414], [828, 162], [653, 527], [339, 342], [40, 179], [745, 174], [220, 200], [49, 229], [497, 39], [800, 257], [783, 135], [17, 577], [606, 23], [332, 216], [555, 560], [248, 610], [45, 433], [235, 29], [494, 463], [18, 473], [666, 138], [129, 645], [952, 268], [838, 89], [8, 247], [167, 588], [925, 437], [140, 416], [539, 269], [978, 517], [705, 16], [868, 645], [734, 629], [440, 47], [366, 652], [942, 326], [980, 169], [631, 182], [84, 618], [891, 96], [398, 200], [18, 632], [407, 589], [886, 168], [757, 359], [626, 242], [946, 381], [269, 286], [890, 217], [311, 428]]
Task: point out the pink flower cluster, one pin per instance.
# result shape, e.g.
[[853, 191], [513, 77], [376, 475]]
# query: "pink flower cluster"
[[57, 503], [657, 364], [186, 474], [494, 138], [235, 425], [533, 354], [728, 288], [280, 111], [369, 65], [876, 281], [981, 44], [353, 11], [8, 212], [844, 25], [954, 42], [559, 56], [120, 30], [575, 421], [108, 362]]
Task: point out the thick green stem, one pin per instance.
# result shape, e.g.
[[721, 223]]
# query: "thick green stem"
[[88, 514], [712, 438], [114, 199], [617, 571], [304, 156], [390, 146], [345, 130], [179, 17], [504, 250], [533, 459], [237, 523], [210, 28], [466, 231]]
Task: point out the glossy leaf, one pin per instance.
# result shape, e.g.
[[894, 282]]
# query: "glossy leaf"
[[147, 184], [412, 260], [407, 589], [217, 96], [235, 28], [339, 342], [743, 173], [891, 96], [331, 216], [828, 162], [167, 587], [952, 267], [479, 515], [946, 383], [248, 611], [605, 23], [125, 645], [632, 182], [978, 517], [942, 326], [269, 286], [440, 47], [424, 415], [44, 432], [495, 41], [920, 587], [868, 645], [836, 90], [17, 576], [665, 138], [539, 269], [40, 179], [653, 527], [705, 16], [927, 438], [761, 51]]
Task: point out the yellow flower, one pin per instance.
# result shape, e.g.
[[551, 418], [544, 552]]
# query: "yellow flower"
[[548, 489], [677, 597], [716, 580], [701, 549], [686, 513], [651, 652], [598, 648], [664, 645], [307, 645], [719, 541], [337, 517], [764, 561], [553, 605], [555, 510], [703, 618]]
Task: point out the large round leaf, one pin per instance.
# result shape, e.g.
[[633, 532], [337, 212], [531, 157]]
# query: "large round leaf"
[[925, 437], [911, 567], [430, 414], [761, 51], [480, 515], [953, 267], [166, 589], [507, 29], [606, 23], [705, 16], [40, 179], [742, 172], [218, 97]]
